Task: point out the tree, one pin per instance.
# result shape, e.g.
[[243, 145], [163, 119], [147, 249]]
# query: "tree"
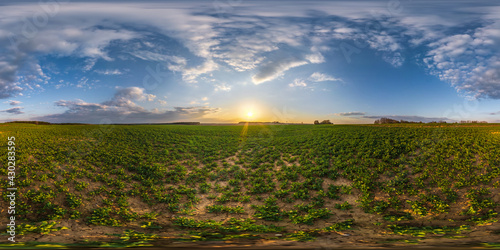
[[385, 120], [323, 122]]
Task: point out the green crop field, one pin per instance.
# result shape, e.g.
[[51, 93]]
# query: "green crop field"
[[124, 185]]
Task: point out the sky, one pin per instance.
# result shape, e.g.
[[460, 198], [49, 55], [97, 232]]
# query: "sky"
[[220, 61]]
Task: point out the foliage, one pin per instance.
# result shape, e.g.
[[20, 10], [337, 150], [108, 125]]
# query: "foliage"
[[232, 225], [131, 235], [103, 216], [399, 172], [423, 231], [343, 206], [308, 218], [44, 227], [398, 217], [269, 211]]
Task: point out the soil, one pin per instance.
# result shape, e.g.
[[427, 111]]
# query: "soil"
[[363, 235]]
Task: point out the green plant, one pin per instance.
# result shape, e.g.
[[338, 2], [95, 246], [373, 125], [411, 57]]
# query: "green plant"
[[44, 227], [343, 206], [269, 211], [333, 192], [103, 216], [150, 225], [73, 201], [312, 215]]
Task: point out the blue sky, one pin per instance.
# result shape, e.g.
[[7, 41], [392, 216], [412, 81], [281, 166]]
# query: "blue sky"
[[218, 61]]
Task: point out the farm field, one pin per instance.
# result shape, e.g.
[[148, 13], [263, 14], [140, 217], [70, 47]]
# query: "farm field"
[[259, 185]]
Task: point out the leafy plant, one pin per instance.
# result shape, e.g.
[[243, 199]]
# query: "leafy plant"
[[103, 216], [343, 206], [44, 227], [269, 211]]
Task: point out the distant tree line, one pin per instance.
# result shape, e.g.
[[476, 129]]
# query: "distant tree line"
[[323, 122], [183, 123], [72, 123], [48, 123], [31, 122], [385, 120], [473, 122]]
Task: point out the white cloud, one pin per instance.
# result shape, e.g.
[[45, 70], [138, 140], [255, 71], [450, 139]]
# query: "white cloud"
[[13, 102], [314, 78], [353, 113], [242, 53], [8, 84], [190, 75], [246, 39], [122, 109], [157, 57], [275, 68], [320, 77], [243, 42], [84, 83], [89, 64], [315, 58], [298, 83], [222, 87], [470, 62], [125, 97], [179, 64], [109, 72], [83, 41], [63, 35], [196, 102]]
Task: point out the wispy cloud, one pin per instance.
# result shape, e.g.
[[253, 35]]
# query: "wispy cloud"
[[109, 72], [8, 84], [222, 87], [353, 113], [320, 77], [257, 39], [412, 118], [14, 111], [469, 61], [190, 74], [313, 78], [125, 97], [298, 83], [13, 102], [123, 109], [276, 68]]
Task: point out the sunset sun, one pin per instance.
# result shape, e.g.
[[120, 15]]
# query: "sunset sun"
[[250, 114]]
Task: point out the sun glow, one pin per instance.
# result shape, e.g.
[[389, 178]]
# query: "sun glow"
[[251, 111]]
